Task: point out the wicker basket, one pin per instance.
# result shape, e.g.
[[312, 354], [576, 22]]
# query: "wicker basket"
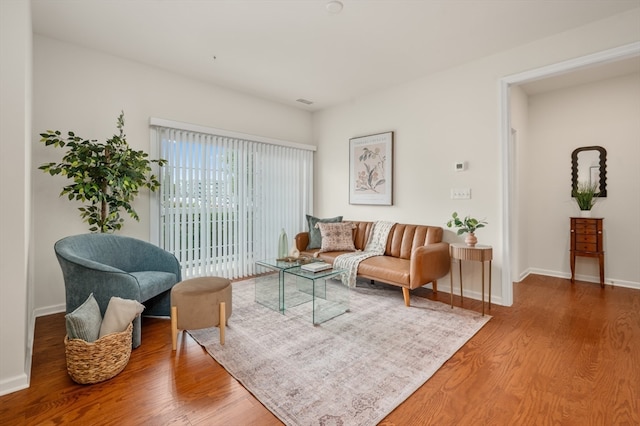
[[94, 362]]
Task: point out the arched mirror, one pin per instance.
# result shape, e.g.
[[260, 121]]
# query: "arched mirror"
[[588, 165]]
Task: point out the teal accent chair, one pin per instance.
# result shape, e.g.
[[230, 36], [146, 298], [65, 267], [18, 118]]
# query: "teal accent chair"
[[111, 265]]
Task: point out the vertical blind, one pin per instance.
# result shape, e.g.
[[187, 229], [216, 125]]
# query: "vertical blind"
[[224, 200]]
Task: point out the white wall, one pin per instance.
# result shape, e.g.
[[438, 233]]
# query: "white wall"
[[605, 113], [438, 120], [16, 285], [84, 90]]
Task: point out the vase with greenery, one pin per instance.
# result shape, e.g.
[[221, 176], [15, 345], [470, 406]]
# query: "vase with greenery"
[[107, 175], [467, 224], [585, 195]]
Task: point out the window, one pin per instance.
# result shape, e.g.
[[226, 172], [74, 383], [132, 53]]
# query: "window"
[[226, 197]]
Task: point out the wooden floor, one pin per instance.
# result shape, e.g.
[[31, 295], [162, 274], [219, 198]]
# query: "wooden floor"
[[563, 354]]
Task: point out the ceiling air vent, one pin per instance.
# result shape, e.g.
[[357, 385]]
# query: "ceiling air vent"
[[304, 101]]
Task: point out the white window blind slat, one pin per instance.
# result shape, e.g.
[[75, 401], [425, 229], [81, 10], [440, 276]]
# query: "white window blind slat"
[[224, 200]]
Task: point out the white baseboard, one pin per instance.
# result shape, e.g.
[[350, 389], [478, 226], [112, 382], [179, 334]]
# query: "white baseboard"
[[21, 381], [48, 310], [14, 384], [524, 275], [498, 300], [586, 278], [470, 294]]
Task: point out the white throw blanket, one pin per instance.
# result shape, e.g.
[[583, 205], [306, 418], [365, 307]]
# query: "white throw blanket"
[[376, 246]]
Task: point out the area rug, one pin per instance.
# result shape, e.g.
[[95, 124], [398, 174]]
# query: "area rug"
[[351, 370]]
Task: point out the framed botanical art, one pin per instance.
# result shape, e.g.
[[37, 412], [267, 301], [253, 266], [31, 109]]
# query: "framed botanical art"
[[371, 169]]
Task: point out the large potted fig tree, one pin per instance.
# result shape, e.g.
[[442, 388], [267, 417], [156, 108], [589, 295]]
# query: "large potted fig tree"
[[107, 175]]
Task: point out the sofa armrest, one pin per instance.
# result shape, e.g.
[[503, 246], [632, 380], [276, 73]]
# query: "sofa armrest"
[[429, 263], [302, 241]]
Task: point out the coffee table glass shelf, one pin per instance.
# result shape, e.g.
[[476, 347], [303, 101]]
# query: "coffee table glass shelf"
[[270, 287], [288, 285], [330, 297]]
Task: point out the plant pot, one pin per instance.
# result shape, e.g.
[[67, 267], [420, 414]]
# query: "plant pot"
[[471, 240], [585, 213]]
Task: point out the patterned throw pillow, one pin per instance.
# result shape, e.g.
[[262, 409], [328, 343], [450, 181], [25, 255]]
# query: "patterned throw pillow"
[[315, 239], [336, 236]]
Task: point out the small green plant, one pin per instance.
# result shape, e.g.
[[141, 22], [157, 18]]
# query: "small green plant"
[[107, 175], [468, 224], [585, 195]]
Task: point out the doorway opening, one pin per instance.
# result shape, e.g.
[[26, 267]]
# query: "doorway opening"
[[509, 243]]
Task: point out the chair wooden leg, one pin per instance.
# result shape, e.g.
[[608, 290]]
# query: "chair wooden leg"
[[223, 321], [174, 327]]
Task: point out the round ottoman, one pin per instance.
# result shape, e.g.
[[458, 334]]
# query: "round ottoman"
[[200, 303]]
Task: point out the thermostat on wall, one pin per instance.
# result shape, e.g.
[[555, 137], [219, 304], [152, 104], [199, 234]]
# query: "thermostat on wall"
[[461, 166]]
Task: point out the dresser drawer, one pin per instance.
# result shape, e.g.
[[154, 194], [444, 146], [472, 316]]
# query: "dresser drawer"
[[590, 247], [585, 221], [585, 238], [585, 229]]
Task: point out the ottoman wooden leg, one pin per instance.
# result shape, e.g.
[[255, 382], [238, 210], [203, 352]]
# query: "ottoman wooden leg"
[[223, 321], [174, 327]]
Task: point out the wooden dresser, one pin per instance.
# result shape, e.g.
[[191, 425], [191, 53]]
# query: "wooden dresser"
[[586, 240]]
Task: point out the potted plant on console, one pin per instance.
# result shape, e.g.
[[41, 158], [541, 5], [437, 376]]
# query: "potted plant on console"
[[585, 195], [466, 225]]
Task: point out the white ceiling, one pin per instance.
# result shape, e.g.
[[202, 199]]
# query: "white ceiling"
[[283, 50]]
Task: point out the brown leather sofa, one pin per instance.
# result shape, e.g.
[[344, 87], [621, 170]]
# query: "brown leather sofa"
[[415, 255]]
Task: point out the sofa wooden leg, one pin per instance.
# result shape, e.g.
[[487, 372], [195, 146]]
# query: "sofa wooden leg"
[[434, 286], [406, 295], [174, 327], [223, 321]]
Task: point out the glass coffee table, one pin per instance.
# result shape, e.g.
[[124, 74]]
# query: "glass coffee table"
[[287, 285], [330, 297], [276, 291]]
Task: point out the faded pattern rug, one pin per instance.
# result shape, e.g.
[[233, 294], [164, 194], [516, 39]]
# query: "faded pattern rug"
[[351, 370]]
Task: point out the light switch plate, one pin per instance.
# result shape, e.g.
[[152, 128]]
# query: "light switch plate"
[[461, 194]]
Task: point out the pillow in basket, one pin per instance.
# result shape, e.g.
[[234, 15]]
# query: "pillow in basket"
[[85, 321], [336, 236], [120, 312]]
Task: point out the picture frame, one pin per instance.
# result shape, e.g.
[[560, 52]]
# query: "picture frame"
[[371, 169]]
